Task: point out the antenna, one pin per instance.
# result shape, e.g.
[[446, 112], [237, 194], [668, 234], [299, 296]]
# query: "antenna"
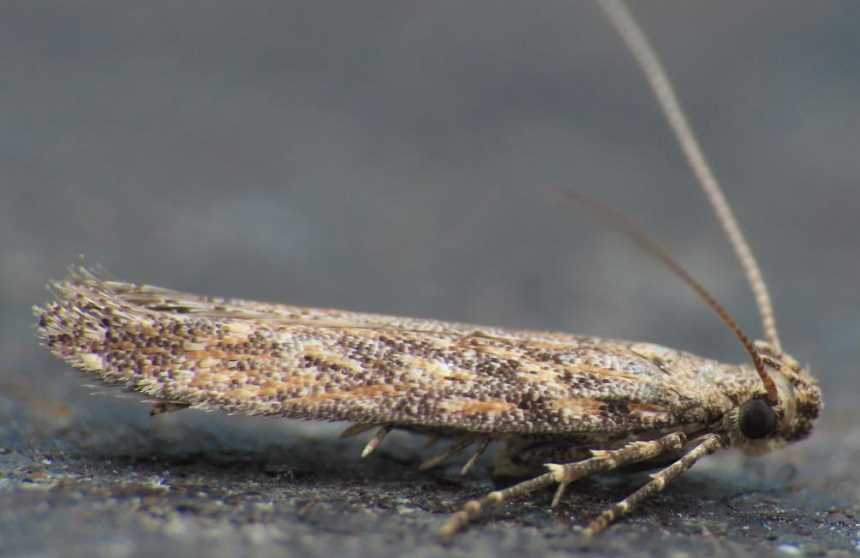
[[624, 225], [647, 59]]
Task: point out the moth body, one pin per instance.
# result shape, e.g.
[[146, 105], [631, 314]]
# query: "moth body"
[[545, 396]]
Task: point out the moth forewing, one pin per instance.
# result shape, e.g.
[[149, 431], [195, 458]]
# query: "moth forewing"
[[265, 359]]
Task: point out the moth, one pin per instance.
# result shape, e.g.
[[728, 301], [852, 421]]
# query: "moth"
[[573, 405]]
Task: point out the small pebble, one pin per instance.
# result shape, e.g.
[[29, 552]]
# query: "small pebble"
[[789, 550]]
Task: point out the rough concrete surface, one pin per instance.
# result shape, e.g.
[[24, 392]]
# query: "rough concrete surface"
[[403, 157]]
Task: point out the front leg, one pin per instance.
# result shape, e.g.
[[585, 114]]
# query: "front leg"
[[659, 480]]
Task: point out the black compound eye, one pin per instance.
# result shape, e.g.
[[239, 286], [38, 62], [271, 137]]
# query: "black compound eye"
[[757, 419]]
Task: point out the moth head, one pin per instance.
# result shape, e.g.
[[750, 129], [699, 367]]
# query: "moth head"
[[784, 411]]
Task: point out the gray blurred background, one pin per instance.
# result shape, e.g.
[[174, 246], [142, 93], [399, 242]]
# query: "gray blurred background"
[[405, 158]]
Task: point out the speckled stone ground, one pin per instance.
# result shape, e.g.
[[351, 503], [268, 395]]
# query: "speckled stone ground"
[[402, 158], [85, 486]]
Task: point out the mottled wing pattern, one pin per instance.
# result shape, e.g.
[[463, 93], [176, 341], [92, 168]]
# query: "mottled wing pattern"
[[265, 359]]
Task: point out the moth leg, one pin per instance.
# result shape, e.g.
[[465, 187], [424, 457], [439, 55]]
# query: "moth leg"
[[432, 441], [356, 429], [376, 440], [475, 456], [564, 474], [658, 482], [604, 460], [456, 447], [161, 407]]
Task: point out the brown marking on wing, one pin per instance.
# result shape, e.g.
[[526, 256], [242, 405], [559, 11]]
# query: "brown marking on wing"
[[204, 380], [240, 393], [270, 389], [577, 406], [506, 353], [359, 392], [538, 375], [646, 411], [467, 407]]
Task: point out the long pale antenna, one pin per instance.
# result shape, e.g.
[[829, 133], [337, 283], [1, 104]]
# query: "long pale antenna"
[[647, 59]]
